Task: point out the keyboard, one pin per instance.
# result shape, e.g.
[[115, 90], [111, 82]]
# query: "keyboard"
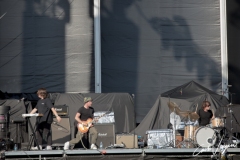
[[32, 115]]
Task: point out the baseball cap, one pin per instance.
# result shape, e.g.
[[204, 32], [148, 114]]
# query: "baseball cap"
[[87, 99]]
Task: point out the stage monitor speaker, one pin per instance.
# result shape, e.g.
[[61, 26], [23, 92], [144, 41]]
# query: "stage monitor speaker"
[[106, 134], [61, 131], [129, 140]]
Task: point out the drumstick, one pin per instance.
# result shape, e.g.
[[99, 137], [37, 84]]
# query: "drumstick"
[[196, 108], [213, 114]]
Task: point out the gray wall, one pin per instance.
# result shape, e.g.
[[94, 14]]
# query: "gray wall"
[[149, 47], [46, 44]]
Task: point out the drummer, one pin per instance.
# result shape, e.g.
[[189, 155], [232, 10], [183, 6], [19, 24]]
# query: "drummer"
[[205, 114]]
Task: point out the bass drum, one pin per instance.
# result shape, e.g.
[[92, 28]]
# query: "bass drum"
[[205, 137]]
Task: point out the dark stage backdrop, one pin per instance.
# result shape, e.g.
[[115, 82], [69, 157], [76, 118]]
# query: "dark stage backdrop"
[[233, 31], [17, 108], [46, 44], [150, 47], [120, 103]]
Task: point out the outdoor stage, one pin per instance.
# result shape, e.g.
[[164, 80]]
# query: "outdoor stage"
[[133, 154]]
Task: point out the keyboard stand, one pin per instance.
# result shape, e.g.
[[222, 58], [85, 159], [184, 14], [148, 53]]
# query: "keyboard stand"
[[33, 136]]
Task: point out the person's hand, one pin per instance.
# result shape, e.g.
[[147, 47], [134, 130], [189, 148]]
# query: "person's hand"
[[59, 118]]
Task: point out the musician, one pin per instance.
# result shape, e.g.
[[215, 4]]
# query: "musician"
[[43, 123], [83, 114], [205, 114]]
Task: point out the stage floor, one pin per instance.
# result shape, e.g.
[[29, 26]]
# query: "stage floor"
[[170, 153]]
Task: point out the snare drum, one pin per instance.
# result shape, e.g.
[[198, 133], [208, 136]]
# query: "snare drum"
[[205, 137], [189, 132], [217, 122]]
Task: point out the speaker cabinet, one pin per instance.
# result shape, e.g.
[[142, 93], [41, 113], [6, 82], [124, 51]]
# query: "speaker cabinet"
[[61, 132], [106, 134], [129, 140]]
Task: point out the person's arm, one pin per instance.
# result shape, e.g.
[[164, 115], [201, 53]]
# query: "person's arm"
[[77, 117], [55, 113], [199, 119], [33, 111]]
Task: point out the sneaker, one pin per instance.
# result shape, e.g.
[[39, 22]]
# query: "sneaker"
[[93, 146], [36, 148], [66, 146], [49, 148]]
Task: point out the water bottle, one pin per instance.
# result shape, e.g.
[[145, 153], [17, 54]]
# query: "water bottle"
[[101, 145], [15, 147]]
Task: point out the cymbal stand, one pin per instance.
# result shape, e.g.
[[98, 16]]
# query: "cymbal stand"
[[231, 130], [174, 129], [237, 124], [231, 117]]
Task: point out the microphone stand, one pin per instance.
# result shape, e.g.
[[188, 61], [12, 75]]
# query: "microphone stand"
[[232, 115]]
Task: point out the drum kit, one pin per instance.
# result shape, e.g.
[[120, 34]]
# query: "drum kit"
[[195, 136]]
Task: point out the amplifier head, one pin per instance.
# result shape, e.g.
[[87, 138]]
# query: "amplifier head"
[[62, 110]]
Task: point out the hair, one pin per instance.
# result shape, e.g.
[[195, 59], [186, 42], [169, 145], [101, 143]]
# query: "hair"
[[42, 92], [205, 104]]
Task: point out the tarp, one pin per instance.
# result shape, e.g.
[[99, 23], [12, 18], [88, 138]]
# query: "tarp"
[[120, 103], [231, 112], [150, 47], [188, 97], [17, 108]]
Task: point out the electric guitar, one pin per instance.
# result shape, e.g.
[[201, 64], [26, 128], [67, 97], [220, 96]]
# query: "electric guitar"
[[85, 125]]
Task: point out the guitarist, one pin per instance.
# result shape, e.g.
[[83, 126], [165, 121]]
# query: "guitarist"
[[83, 114]]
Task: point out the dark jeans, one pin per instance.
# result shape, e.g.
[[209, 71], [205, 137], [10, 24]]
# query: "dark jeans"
[[43, 133]]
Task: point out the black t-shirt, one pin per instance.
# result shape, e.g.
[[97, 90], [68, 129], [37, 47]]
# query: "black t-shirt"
[[85, 114], [44, 107], [204, 117]]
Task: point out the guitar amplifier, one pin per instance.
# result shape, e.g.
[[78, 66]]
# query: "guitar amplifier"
[[106, 134], [62, 110], [129, 140], [61, 131]]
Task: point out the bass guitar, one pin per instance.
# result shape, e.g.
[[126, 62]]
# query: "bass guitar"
[[85, 125]]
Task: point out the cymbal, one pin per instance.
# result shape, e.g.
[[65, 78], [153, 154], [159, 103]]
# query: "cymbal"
[[224, 115], [194, 116], [189, 114], [184, 113], [232, 105], [173, 106]]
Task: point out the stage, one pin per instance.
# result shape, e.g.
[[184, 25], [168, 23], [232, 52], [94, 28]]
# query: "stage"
[[165, 154]]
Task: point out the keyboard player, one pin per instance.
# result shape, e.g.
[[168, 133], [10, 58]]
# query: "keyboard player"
[[43, 123]]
